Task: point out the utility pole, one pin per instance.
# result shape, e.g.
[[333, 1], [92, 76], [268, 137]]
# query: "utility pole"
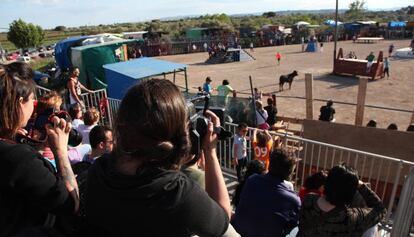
[[336, 31]]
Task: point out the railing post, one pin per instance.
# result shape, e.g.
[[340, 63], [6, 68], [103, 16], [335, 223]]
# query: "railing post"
[[394, 191], [309, 95], [404, 215]]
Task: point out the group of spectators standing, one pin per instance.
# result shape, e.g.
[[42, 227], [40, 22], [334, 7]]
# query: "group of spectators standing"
[[334, 203], [130, 183]]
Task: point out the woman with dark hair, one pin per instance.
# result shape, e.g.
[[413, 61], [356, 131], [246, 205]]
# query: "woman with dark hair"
[[137, 190], [331, 214], [29, 188]]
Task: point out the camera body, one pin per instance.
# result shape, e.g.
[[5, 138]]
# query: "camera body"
[[37, 131], [199, 124]]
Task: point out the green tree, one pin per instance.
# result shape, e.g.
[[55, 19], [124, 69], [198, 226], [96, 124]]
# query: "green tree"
[[60, 28], [25, 35], [269, 14], [356, 10]]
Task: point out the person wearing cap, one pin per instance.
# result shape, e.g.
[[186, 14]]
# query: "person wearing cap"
[[207, 86]]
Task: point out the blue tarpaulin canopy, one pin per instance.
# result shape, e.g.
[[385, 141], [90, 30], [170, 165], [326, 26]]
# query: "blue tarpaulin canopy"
[[62, 50], [120, 76], [332, 22], [396, 24]]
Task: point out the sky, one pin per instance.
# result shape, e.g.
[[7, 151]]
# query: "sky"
[[72, 13]]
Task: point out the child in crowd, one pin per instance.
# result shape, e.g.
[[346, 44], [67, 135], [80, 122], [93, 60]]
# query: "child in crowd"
[[314, 184], [262, 146], [91, 119]]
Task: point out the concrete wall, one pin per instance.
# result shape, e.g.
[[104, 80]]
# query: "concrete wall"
[[397, 144]]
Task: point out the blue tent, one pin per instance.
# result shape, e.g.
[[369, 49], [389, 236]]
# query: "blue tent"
[[397, 24], [120, 76], [62, 50]]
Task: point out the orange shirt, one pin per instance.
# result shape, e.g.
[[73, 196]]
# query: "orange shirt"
[[263, 153]]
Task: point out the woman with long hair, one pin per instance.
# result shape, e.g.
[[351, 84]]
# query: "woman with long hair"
[[138, 190], [29, 187]]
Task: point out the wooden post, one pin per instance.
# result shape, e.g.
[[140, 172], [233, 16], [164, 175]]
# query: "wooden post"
[[174, 77], [186, 82], [309, 95], [362, 92], [412, 119]]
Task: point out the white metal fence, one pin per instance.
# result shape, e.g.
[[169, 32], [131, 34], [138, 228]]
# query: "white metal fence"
[[386, 175], [99, 100]]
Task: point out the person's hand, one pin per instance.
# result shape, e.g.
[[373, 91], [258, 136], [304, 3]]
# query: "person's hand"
[[235, 161], [22, 131], [91, 91], [58, 134], [210, 139]]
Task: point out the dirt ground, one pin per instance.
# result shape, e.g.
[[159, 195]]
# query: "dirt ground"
[[396, 92]]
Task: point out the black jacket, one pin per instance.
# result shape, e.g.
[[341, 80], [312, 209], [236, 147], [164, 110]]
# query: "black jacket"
[[29, 189], [154, 202]]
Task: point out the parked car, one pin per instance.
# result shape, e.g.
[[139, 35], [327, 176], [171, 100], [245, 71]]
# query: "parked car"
[[23, 59]]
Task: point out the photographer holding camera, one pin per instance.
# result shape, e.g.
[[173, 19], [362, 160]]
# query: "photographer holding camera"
[[138, 190], [29, 188]]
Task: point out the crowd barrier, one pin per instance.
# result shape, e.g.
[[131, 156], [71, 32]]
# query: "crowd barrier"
[[392, 179], [385, 175]]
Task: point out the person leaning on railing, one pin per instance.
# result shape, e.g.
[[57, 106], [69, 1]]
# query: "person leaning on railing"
[[331, 214], [29, 188], [138, 190], [75, 88]]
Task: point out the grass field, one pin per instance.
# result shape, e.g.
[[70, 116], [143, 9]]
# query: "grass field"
[[51, 37]]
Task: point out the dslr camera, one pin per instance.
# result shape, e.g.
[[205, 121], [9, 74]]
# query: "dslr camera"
[[37, 129], [199, 123]]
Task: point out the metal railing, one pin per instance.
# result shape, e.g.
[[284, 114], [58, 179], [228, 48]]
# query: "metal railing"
[[40, 91], [386, 175], [99, 100]]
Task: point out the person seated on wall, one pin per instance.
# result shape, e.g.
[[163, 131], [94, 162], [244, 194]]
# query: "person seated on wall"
[[327, 112], [268, 206], [331, 214]]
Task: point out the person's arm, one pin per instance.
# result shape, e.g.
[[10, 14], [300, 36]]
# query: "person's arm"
[[84, 88], [364, 218], [215, 185], [254, 135], [268, 134], [235, 159], [58, 136], [72, 91]]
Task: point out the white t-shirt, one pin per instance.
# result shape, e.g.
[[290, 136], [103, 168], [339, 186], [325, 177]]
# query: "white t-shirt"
[[85, 130], [241, 151], [261, 116], [76, 123]]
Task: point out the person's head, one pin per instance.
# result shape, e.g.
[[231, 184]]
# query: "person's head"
[[372, 123], [385, 58], [152, 127], [75, 111], [51, 100], [259, 105], [75, 71], [281, 164], [242, 129], [16, 97], [316, 181], [392, 126], [91, 117], [208, 79], [269, 101], [262, 139], [254, 167], [225, 82], [329, 103], [100, 138], [255, 89], [341, 185], [410, 128]]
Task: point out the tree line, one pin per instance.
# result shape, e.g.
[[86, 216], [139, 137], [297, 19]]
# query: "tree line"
[[25, 35]]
